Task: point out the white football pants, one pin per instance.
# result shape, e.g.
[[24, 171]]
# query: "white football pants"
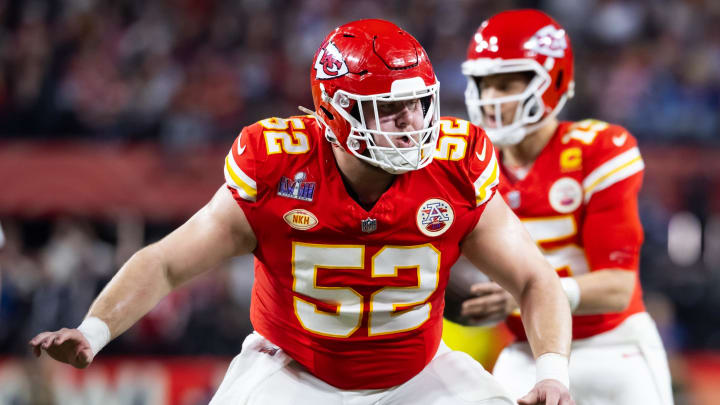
[[263, 374], [624, 366]]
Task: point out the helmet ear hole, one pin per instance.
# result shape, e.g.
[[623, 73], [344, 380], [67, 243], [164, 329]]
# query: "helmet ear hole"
[[559, 80], [532, 107], [327, 113], [355, 112], [425, 104]]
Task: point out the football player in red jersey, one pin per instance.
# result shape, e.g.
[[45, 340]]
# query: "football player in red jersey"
[[574, 185], [353, 240]]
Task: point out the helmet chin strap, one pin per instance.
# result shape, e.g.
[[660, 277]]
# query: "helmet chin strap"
[[328, 132]]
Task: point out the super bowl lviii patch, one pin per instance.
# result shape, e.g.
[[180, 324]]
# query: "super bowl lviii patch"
[[434, 217], [297, 187]]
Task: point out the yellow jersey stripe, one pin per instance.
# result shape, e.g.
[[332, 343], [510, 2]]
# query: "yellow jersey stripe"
[[624, 171], [237, 182], [609, 166], [590, 188], [490, 181], [239, 172]]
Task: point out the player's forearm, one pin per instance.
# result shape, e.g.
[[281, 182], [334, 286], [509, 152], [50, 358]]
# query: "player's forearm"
[[137, 287], [215, 233], [546, 315], [605, 291]]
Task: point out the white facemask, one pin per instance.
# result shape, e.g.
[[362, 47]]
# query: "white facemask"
[[530, 112], [393, 159]]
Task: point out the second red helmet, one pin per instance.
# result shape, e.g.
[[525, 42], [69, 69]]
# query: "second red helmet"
[[519, 41]]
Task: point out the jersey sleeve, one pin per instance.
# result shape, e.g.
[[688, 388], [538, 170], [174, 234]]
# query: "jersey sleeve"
[[612, 233], [482, 167], [241, 165], [611, 159]]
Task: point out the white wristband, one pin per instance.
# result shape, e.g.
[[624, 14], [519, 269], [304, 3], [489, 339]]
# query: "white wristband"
[[572, 290], [552, 366], [96, 332]]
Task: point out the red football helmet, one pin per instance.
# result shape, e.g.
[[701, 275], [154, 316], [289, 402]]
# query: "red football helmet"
[[520, 41], [365, 62]]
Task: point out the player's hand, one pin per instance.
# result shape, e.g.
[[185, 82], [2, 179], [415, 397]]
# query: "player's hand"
[[490, 304], [547, 392], [65, 345]]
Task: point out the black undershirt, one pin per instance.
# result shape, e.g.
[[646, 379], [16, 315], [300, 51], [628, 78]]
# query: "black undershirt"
[[354, 195]]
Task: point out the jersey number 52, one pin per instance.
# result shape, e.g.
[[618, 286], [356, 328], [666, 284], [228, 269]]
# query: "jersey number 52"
[[391, 309]]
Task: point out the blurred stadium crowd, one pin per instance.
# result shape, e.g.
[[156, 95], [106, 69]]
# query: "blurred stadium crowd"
[[52, 270], [193, 71], [190, 73]]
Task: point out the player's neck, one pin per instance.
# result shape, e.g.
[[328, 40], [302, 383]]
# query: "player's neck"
[[526, 151], [365, 183]]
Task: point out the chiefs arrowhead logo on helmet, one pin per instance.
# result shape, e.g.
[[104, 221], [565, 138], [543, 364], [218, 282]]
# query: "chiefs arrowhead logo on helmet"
[[330, 63], [373, 61], [548, 41]]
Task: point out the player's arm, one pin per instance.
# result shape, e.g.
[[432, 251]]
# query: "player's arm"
[[611, 232], [501, 246], [215, 233], [598, 292], [604, 291], [212, 235], [612, 236]]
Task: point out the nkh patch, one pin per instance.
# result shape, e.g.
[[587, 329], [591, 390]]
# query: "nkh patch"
[[300, 219], [434, 217], [297, 188]]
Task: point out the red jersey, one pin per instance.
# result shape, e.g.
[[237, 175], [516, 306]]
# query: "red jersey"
[[579, 203], [356, 296]]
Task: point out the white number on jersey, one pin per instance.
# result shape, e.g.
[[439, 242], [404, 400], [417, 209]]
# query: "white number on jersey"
[[384, 317]]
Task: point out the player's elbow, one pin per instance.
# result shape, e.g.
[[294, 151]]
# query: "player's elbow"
[[537, 284], [619, 296], [151, 260]]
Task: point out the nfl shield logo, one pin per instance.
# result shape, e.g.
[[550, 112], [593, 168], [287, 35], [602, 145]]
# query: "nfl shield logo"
[[368, 225], [513, 199]]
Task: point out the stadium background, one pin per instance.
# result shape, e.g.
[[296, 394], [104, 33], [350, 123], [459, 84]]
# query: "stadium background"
[[115, 117]]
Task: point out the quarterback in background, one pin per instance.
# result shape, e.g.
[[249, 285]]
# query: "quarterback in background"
[[355, 214], [574, 185]]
